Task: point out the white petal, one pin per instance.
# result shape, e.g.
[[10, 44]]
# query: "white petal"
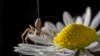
[[94, 44], [96, 20], [52, 49], [50, 25], [85, 53], [28, 52], [31, 45], [29, 49], [62, 54], [79, 20], [42, 39], [49, 28], [87, 16], [98, 33], [67, 50], [59, 26], [67, 18], [82, 54], [72, 54], [97, 48], [98, 38], [59, 52]]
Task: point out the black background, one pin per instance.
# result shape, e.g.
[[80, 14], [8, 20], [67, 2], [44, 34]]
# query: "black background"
[[17, 14]]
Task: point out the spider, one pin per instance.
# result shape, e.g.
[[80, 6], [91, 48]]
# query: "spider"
[[36, 30]]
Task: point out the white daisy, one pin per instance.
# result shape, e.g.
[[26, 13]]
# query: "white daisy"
[[77, 37]]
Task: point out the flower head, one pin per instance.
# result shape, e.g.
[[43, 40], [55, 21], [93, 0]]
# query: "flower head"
[[74, 36]]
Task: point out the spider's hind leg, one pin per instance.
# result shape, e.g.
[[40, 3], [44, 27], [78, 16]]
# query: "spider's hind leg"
[[26, 37], [23, 34]]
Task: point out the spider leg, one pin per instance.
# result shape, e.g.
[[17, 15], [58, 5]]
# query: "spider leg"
[[26, 37], [27, 31], [31, 27], [22, 36]]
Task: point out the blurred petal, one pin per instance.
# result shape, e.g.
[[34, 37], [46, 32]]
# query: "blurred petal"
[[63, 54], [96, 20], [79, 20], [85, 53], [39, 51], [59, 52], [98, 38], [50, 25], [82, 54], [98, 33], [67, 18], [66, 50], [31, 45], [42, 39], [87, 16], [28, 52], [49, 28], [92, 45], [97, 48], [29, 49], [59, 26]]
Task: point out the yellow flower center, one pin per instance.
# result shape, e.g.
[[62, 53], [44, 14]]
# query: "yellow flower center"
[[75, 36]]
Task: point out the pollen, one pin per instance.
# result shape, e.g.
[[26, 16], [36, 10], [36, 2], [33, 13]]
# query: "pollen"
[[75, 36]]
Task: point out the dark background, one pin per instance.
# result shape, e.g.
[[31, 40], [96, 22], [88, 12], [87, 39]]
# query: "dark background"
[[17, 14]]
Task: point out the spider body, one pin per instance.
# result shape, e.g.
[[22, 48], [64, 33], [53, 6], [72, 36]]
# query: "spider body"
[[31, 29]]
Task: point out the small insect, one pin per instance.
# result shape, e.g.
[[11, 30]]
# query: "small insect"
[[31, 29], [35, 30]]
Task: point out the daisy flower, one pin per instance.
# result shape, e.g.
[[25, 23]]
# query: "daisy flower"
[[76, 37]]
